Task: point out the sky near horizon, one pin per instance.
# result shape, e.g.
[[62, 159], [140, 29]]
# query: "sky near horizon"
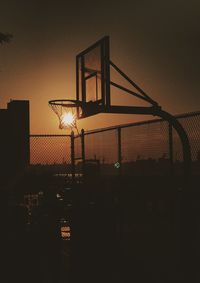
[[155, 42]]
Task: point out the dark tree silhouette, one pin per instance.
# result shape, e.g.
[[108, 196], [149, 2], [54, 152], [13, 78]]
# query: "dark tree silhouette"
[[5, 37]]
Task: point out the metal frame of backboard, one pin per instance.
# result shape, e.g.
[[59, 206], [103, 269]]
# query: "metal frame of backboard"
[[82, 77]]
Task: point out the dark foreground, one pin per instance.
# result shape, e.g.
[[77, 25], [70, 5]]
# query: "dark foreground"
[[121, 230]]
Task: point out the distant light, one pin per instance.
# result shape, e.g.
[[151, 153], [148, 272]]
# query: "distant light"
[[58, 195], [68, 189], [117, 165], [65, 232]]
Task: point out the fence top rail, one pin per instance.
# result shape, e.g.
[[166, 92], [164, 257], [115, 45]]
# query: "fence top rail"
[[48, 135], [140, 123], [189, 114]]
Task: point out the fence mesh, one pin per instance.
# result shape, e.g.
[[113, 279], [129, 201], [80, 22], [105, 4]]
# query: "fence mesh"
[[102, 146], [191, 124], [145, 149], [141, 144], [77, 147], [50, 149], [148, 141]]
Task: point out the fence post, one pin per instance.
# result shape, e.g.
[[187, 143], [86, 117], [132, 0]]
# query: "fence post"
[[83, 148], [171, 152], [72, 156], [119, 149]]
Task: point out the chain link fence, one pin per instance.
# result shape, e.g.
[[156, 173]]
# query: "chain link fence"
[[191, 124], [137, 148], [50, 153]]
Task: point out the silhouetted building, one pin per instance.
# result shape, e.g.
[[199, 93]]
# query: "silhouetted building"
[[14, 141]]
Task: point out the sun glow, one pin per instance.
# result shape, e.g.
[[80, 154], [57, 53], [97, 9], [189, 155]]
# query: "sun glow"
[[68, 120]]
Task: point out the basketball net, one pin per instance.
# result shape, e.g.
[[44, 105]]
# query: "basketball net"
[[67, 116]]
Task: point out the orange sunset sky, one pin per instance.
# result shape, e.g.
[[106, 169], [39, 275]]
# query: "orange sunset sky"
[[156, 43]]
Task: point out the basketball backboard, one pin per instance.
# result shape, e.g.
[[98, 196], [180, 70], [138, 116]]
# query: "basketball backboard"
[[93, 78]]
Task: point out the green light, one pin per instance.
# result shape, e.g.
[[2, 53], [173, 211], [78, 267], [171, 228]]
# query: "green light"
[[117, 165]]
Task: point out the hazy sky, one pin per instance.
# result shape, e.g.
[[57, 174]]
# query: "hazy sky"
[[157, 43]]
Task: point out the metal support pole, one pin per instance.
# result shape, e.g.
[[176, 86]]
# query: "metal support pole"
[[72, 157], [83, 149], [147, 98], [171, 153], [185, 143], [119, 149]]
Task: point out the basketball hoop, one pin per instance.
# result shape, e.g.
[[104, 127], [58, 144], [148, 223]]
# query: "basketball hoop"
[[67, 111]]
